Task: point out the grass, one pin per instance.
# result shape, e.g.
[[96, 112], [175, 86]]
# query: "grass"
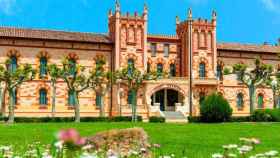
[[199, 140]]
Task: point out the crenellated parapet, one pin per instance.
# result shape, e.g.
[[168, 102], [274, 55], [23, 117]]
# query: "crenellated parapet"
[[198, 40], [129, 31]]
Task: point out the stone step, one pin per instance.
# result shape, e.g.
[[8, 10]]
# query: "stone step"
[[174, 116]]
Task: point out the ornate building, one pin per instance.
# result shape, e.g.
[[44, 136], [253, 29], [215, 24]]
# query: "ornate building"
[[193, 58]]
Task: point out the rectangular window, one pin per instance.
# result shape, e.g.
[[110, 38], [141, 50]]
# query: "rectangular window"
[[166, 50], [153, 49], [98, 100]]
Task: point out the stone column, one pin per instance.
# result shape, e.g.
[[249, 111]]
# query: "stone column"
[[165, 99]]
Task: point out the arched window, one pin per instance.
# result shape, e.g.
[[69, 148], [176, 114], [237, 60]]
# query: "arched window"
[[43, 97], [130, 64], [129, 97], [98, 100], [13, 64], [72, 63], [159, 69], [219, 72], [201, 97], [71, 98], [43, 67], [172, 70], [202, 70], [260, 101], [240, 100]]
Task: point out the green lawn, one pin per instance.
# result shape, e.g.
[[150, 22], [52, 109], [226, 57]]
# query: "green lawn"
[[199, 140]]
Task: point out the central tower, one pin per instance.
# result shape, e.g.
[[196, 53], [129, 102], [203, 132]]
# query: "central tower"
[[129, 32], [198, 45]]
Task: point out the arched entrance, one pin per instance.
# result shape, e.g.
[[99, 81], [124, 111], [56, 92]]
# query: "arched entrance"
[[167, 99]]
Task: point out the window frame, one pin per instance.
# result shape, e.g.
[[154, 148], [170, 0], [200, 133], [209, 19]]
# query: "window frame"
[[166, 50], [45, 102], [153, 48], [202, 72]]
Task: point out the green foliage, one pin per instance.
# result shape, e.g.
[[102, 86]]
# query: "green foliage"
[[194, 119], [134, 79], [71, 119], [155, 119], [227, 71], [253, 78], [240, 119], [215, 108], [266, 115]]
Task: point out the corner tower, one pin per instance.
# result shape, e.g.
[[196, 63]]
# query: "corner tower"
[[198, 45], [129, 32]]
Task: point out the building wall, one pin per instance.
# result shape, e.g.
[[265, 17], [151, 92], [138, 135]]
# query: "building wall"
[[230, 86], [29, 51]]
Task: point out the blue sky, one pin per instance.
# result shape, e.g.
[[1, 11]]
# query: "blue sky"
[[246, 21]]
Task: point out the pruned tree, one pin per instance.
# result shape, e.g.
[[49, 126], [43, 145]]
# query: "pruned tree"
[[12, 78], [134, 79], [101, 81], [55, 73], [77, 81], [253, 78]]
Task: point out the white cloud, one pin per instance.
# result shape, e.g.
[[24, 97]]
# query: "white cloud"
[[7, 6], [272, 5]]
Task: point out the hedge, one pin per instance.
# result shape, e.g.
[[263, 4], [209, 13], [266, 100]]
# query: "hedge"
[[156, 119], [266, 115], [71, 119]]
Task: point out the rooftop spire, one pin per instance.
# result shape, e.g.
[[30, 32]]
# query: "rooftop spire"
[[177, 20], [214, 15], [190, 13], [118, 6], [145, 8]]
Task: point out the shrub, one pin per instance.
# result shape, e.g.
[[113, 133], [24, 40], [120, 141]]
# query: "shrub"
[[156, 119], [266, 115], [194, 119], [240, 119], [71, 119], [215, 108]]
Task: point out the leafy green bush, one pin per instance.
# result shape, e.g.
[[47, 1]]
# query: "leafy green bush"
[[240, 119], [215, 108], [71, 119], [194, 119], [156, 119], [266, 115]]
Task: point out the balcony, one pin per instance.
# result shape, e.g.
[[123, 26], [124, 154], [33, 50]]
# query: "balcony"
[[205, 81]]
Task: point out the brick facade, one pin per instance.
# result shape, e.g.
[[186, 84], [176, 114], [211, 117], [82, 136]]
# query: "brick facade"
[[194, 44]]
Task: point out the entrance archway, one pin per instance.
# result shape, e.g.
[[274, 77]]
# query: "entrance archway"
[[167, 99]]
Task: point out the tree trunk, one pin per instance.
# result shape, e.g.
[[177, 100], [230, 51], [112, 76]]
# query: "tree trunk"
[[11, 106], [53, 99], [134, 105], [101, 111], [1, 97], [252, 90], [77, 107], [274, 99], [3, 102]]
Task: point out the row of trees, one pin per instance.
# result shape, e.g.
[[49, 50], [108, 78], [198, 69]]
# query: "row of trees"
[[77, 79], [261, 75]]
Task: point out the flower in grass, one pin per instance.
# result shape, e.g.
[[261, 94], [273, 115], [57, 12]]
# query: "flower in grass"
[[71, 136], [231, 155], [230, 146], [271, 153], [156, 145], [244, 149], [59, 144], [217, 155], [255, 141]]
